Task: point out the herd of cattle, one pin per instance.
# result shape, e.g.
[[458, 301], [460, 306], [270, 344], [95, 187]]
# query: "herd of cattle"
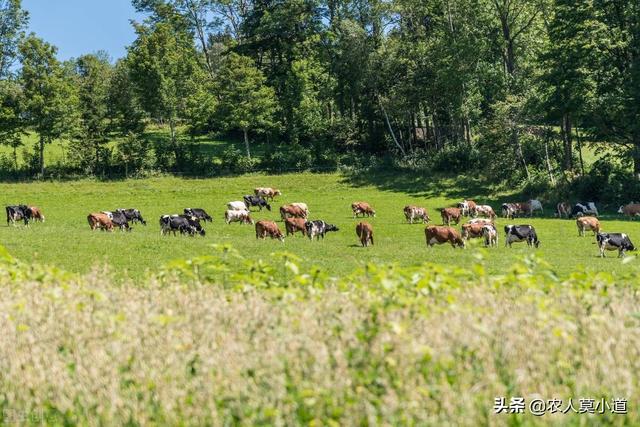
[[295, 216]]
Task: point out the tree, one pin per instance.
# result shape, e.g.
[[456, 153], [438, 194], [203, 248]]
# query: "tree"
[[13, 21], [94, 75], [569, 66], [51, 102], [163, 68], [246, 103], [12, 124]]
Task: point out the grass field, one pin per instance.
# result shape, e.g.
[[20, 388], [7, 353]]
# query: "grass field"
[[66, 241]]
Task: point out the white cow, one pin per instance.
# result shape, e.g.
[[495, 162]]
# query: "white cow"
[[486, 211], [232, 215], [237, 206], [535, 205], [490, 235]]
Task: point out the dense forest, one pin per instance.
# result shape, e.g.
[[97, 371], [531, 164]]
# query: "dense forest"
[[512, 90]]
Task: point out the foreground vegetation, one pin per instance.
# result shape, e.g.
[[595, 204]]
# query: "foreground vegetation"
[[279, 344], [65, 240]]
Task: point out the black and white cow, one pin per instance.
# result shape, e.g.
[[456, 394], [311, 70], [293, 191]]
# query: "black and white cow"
[[613, 242], [521, 233], [319, 229], [18, 213], [181, 223], [118, 218], [133, 215], [584, 208], [258, 201], [198, 213]]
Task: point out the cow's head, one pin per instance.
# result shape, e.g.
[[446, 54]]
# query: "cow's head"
[[138, 217], [621, 209], [266, 205], [331, 227]]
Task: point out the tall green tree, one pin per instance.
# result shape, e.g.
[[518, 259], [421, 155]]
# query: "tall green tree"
[[94, 74], [245, 102], [13, 21], [50, 96], [569, 66], [12, 123], [617, 111], [164, 68]]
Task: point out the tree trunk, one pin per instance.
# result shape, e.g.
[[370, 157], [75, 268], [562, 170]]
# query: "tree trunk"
[[246, 142], [636, 156], [393, 135], [15, 157], [580, 151], [568, 142], [42, 140], [174, 145]]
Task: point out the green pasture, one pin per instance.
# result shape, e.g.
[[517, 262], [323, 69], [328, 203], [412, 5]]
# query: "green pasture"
[[65, 240]]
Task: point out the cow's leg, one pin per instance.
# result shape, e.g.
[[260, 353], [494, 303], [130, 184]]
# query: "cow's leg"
[[602, 255]]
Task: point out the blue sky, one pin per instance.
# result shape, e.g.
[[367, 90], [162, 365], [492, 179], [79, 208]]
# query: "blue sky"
[[77, 27]]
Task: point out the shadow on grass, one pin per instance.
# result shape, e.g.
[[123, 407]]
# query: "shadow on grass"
[[423, 184]]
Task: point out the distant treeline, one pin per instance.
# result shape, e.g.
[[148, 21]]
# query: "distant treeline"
[[512, 88]]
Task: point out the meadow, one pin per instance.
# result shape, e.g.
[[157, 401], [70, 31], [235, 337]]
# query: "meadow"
[[66, 241], [228, 330]]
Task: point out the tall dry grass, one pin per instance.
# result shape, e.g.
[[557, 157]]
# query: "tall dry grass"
[[426, 346]]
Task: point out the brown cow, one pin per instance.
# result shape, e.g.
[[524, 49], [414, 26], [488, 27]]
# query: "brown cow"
[[485, 211], [450, 214], [439, 235], [563, 209], [294, 225], [631, 210], [268, 228], [416, 212], [467, 207], [363, 208], [472, 230], [36, 214], [365, 233], [292, 211], [585, 223], [100, 220], [267, 192]]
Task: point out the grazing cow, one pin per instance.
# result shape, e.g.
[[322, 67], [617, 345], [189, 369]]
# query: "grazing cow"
[[267, 192], [581, 208], [450, 214], [563, 209], [511, 210], [133, 216], [258, 201], [237, 206], [439, 235], [490, 235], [521, 233], [467, 207], [318, 229], [472, 230], [483, 221], [302, 206], [243, 217], [614, 241], [118, 218], [36, 214], [535, 205], [18, 213], [287, 211], [268, 228], [585, 223], [182, 223], [415, 212], [631, 210], [100, 220], [362, 208], [293, 225], [198, 213], [485, 211], [364, 230]]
